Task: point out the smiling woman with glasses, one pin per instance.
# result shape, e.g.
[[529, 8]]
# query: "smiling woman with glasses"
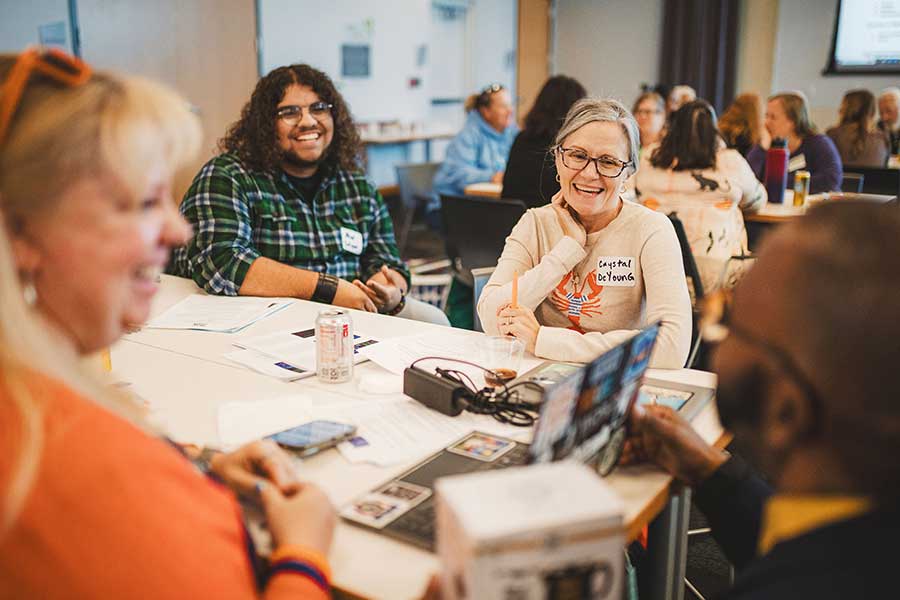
[[592, 268]]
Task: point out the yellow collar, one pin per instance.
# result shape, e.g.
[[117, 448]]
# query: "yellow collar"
[[789, 516]]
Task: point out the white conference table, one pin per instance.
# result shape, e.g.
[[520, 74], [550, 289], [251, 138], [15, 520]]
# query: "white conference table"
[[185, 378]]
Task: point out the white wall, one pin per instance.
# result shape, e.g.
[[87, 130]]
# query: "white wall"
[[611, 47], [392, 28], [20, 19], [493, 26], [802, 47]]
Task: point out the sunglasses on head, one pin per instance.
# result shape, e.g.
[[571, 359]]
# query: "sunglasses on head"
[[55, 64]]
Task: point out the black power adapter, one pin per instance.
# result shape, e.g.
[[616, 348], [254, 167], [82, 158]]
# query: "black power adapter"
[[436, 392]]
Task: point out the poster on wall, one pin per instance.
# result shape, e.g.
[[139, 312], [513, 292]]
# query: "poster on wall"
[[355, 60]]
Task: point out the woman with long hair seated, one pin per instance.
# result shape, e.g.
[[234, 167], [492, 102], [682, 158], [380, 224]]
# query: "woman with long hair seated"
[[741, 125], [592, 268], [857, 138], [94, 503], [530, 174], [787, 117], [693, 174]]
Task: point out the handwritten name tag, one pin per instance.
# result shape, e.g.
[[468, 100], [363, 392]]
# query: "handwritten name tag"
[[351, 241], [796, 163], [616, 271]]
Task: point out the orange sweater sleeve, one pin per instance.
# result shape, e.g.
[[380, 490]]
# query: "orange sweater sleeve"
[[115, 513]]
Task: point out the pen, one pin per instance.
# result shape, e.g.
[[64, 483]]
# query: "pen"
[[515, 290]]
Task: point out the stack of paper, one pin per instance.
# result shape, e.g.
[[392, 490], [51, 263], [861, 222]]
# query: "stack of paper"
[[295, 349], [266, 365], [223, 314]]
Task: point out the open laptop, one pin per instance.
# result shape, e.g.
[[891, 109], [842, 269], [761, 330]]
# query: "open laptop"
[[582, 417]]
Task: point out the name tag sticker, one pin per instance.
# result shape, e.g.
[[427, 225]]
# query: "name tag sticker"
[[796, 163], [351, 241], [616, 271]]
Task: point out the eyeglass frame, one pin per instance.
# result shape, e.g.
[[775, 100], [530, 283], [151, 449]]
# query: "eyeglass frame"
[[715, 329], [326, 108], [42, 61], [592, 159]]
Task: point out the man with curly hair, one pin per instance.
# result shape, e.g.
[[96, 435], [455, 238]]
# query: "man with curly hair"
[[287, 210]]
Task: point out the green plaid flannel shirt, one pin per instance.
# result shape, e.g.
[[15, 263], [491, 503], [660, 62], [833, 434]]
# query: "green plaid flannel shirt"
[[239, 215]]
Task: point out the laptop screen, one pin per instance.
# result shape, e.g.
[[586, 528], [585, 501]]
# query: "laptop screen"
[[583, 416]]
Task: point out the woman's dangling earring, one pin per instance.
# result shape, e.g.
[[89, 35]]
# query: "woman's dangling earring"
[[29, 293], [557, 178]]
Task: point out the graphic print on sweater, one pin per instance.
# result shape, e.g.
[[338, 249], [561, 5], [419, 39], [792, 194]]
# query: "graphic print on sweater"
[[574, 303]]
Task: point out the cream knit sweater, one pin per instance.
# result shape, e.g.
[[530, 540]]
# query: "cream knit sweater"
[[589, 299]]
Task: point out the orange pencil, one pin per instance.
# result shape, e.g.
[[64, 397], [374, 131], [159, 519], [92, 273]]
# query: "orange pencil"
[[515, 290]]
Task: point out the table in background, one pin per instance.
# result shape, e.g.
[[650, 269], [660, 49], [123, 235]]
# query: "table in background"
[[404, 139], [185, 378], [485, 190]]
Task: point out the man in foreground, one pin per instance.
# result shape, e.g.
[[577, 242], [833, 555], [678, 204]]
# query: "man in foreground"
[[808, 377]]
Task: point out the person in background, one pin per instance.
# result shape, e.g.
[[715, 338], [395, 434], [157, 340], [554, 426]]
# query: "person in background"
[[287, 210], [93, 502], [889, 116], [530, 174], [592, 268], [807, 360], [741, 125], [691, 173], [678, 96], [478, 153], [859, 142], [787, 117], [650, 113]]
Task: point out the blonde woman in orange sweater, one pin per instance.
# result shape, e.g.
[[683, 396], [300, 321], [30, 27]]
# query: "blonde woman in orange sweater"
[[94, 504]]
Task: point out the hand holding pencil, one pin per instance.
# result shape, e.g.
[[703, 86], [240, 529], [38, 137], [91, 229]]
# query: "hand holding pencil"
[[518, 321]]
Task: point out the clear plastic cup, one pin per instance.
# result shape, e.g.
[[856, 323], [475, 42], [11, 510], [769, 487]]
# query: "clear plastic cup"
[[503, 356]]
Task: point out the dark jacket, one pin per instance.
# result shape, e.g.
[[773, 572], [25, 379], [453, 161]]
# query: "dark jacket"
[[894, 136], [530, 171], [847, 559]]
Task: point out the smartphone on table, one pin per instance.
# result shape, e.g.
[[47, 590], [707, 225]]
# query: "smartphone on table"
[[310, 438]]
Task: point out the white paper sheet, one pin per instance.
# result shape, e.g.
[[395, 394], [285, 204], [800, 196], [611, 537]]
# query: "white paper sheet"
[[242, 422], [223, 314], [298, 348], [267, 365], [392, 432]]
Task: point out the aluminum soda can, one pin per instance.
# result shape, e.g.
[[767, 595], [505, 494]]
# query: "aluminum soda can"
[[801, 187], [334, 345]]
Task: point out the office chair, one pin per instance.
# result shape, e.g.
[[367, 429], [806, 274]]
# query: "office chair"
[[415, 185], [475, 231], [692, 273], [878, 180], [480, 277], [852, 182]]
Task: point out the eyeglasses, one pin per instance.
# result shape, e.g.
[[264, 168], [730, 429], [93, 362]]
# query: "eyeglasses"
[[607, 166], [293, 114], [647, 111], [67, 70], [715, 328]]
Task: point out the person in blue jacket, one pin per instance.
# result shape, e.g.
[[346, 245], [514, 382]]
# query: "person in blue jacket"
[[478, 153]]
